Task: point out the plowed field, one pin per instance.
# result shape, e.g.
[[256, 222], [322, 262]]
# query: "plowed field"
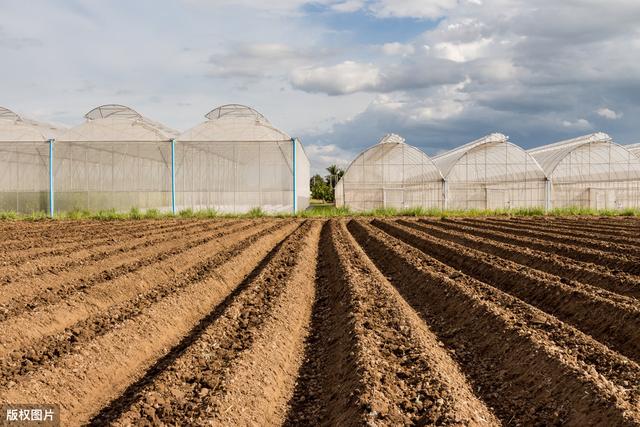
[[401, 321]]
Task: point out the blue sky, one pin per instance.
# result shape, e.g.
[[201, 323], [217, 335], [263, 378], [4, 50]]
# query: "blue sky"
[[339, 74]]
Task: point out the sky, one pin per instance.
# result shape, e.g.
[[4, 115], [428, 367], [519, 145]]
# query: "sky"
[[338, 74]]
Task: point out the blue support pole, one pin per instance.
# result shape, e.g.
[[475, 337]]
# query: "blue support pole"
[[295, 184], [51, 191], [173, 176]]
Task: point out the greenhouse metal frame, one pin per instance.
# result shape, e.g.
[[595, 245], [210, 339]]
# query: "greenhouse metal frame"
[[390, 174], [491, 173], [590, 171]]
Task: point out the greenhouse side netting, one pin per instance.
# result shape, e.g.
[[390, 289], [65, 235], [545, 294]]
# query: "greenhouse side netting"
[[24, 163], [390, 174], [591, 171], [236, 161], [491, 173], [117, 159]]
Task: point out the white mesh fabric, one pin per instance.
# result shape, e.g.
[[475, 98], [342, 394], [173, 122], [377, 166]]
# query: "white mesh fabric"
[[390, 174], [492, 173]]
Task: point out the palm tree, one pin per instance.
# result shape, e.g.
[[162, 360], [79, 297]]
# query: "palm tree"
[[335, 173]]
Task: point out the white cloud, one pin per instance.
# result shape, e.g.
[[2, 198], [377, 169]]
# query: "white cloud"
[[344, 78], [396, 48], [411, 8], [608, 113], [577, 124], [322, 155], [348, 6], [463, 52], [534, 71], [262, 60]]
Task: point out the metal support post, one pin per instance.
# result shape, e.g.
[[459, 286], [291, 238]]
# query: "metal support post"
[[51, 190], [173, 176], [295, 183]]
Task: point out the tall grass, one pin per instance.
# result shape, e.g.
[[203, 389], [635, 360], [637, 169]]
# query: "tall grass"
[[318, 212]]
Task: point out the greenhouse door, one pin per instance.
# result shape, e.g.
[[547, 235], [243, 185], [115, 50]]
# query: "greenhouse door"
[[600, 198], [497, 199], [393, 198]]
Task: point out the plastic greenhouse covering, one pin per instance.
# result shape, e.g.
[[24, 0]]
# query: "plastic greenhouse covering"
[[390, 174], [24, 163], [236, 160], [119, 159], [591, 171], [491, 173]]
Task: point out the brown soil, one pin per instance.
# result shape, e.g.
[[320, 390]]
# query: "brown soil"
[[613, 319], [608, 247], [521, 250], [495, 321]]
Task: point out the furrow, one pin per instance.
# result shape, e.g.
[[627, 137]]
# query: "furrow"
[[614, 250], [403, 376], [582, 228], [29, 292], [73, 238], [611, 224], [570, 233], [47, 350], [614, 320], [217, 376], [82, 303], [91, 377], [43, 255], [612, 262], [499, 244], [528, 366]]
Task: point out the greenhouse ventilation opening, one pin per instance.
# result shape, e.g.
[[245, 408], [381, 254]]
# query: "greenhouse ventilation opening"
[[491, 173], [591, 171], [390, 174], [236, 160], [24, 163]]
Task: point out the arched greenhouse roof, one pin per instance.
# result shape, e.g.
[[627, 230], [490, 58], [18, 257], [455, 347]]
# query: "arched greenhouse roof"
[[447, 162], [386, 147], [114, 123], [234, 123], [14, 128], [634, 148], [588, 157], [551, 155]]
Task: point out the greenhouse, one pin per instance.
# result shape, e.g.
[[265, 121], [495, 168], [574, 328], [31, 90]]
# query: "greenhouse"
[[24, 163], [390, 174], [491, 173], [117, 159], [236, 161], [634, 148], [592, 172]]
